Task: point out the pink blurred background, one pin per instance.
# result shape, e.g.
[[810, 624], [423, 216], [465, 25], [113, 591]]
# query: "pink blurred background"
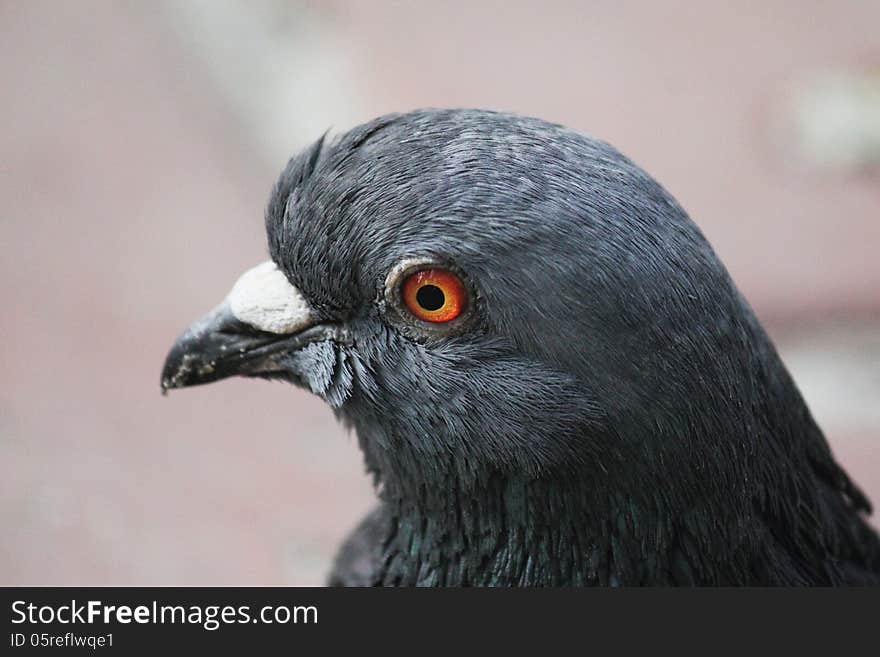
[[139, 142]]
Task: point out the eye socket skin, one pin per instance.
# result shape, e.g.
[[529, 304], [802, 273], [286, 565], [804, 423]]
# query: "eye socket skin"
[[434, 295]]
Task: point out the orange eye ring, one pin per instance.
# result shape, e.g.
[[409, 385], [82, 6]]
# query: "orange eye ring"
[[434, 295]]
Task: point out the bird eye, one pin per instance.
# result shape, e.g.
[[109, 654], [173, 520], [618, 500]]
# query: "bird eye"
[[434, 295]]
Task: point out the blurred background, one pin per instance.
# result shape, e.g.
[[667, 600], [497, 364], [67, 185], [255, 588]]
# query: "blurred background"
[[138, 144]]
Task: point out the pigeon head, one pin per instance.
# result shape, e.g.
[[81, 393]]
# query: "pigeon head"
[[568, 270], [496, 303]]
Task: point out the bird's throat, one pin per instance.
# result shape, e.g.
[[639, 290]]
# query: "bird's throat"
[[510, 532]]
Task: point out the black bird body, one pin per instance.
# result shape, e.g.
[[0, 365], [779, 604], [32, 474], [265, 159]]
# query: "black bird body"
[[608, 411]]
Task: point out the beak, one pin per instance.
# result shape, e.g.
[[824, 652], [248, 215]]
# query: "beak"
[[262, 319]]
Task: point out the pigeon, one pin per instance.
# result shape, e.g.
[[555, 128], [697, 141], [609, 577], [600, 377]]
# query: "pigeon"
[[552, 377]]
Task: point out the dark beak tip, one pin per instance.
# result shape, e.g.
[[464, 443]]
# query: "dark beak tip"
[[182, 361], [171, 372], [166, 384], [184, 365], [209, 350]]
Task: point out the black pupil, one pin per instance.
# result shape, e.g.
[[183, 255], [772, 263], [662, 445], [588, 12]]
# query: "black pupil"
[[430, 297]]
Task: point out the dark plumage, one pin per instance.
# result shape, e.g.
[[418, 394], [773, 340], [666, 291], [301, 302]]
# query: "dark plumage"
[[608, 411]]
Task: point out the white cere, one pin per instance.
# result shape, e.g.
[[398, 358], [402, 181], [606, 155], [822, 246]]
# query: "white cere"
[[265, 299]]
